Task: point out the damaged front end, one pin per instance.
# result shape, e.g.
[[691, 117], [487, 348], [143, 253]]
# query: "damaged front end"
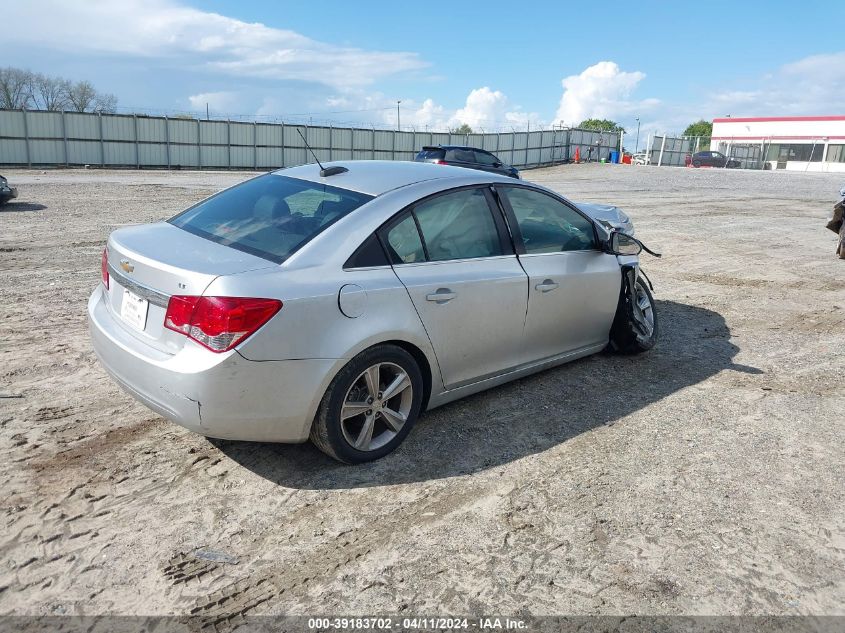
[[634, 326]]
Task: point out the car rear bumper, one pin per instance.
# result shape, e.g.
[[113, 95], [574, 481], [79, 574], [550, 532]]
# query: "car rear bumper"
[[217, 395]]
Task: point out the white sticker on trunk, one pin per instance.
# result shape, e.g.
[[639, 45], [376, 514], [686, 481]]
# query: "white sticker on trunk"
[[133, 310]]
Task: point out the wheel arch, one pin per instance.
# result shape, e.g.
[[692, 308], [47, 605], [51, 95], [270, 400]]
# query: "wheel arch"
[[419, 356], [422, 362]]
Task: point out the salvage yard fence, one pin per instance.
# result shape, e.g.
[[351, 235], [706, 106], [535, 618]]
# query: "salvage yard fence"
[[45, 138], [674, 151]]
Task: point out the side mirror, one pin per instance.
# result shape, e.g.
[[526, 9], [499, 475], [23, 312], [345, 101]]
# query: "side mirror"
[[623, 244], [497, 164]]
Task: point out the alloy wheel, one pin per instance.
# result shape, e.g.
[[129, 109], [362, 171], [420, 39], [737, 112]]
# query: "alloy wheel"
[[643, 312], [376, 406]]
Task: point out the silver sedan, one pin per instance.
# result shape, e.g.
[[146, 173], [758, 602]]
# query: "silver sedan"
[[339, 303]]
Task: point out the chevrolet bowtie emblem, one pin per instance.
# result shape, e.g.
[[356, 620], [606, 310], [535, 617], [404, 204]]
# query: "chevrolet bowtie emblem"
[[126, 266]]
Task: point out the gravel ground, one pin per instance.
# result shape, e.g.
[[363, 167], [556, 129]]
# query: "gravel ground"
[[705, 477]]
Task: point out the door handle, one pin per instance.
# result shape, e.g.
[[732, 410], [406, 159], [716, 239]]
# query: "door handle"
[[442, 295], [547, 285]]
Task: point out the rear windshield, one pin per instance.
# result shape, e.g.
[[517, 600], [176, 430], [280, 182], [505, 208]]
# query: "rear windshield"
[[270, 216], [429, 154]]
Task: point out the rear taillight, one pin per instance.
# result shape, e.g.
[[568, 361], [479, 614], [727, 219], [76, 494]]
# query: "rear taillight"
[[104, 267], [440, 162], [218, 323]]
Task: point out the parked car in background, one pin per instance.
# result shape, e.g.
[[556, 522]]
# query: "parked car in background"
[[713, 159], [640, 158], [338, 304], [6, 192], [461, 156]]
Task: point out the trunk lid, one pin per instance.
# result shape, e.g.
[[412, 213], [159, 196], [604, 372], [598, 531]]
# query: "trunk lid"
[[149, 263]]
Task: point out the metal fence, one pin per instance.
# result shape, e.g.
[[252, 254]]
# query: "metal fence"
[[676, 151], [39, 138], [588, 145]]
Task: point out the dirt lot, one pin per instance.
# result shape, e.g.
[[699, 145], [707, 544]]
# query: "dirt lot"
[[706, 477]]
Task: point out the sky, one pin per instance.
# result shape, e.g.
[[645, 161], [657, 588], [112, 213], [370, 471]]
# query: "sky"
[[492, 65]]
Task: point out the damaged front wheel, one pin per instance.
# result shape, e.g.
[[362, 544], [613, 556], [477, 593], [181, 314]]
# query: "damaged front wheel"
[[634, 328]]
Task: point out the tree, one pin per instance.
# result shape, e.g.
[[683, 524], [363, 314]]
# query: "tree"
[[600, 125], [20, 88], [699, 128], [49, 93], [462, 129], [15, 90], [82, 96], [105, 103]]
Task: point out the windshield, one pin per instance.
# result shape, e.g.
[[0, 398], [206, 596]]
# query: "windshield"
[[270, 216]]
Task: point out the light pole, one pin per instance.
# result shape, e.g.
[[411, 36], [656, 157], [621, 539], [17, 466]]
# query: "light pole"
[[637, 148], [398, 126]]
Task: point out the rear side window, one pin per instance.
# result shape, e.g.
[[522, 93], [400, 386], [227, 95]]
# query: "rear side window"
[[460, 155], [270, 216], [404, 243], [431, 154]]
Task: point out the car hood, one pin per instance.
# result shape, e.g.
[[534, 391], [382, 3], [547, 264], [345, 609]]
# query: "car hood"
[[609, 215]]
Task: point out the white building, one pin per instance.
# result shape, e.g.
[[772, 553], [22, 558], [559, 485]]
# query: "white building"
[[800, 143]]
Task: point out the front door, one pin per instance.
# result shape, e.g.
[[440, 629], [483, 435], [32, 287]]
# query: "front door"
[[452, 254], [573, 286]]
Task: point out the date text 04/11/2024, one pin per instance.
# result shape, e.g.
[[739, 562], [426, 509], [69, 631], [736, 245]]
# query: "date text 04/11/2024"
[[484, 624]]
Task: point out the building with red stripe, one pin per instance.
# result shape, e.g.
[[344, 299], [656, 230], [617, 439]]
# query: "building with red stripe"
[[800, 143]]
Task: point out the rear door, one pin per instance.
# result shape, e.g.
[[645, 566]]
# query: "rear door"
[[453, 255], [573, 286]]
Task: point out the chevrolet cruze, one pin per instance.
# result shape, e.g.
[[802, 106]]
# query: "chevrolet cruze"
[[338, 303]]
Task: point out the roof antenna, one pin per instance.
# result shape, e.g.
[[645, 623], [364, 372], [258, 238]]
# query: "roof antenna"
[[331, 171]]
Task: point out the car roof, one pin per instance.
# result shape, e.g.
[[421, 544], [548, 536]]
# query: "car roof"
[[453, 147], [375, 177]]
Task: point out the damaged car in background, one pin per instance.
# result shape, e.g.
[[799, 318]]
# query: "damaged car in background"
[[336, 303]]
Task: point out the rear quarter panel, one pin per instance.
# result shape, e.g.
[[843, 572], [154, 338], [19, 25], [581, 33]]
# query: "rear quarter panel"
[[310, 324]]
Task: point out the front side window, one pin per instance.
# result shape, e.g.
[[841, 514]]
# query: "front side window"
[[270, 216], [547, 225], [458, 225]]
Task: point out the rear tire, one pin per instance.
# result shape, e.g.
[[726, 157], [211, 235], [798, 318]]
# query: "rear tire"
[[370, 406], [635, 326], [696, 163]]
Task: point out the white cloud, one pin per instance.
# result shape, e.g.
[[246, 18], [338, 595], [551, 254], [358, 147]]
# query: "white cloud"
[[813, 85], [601, 91], [810, 86], [484, 109], [491, 109], [199, 39], [225, 102], [428, 114]]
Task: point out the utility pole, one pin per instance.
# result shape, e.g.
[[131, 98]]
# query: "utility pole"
[[206, 111], [637, 149], [398, 125]]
